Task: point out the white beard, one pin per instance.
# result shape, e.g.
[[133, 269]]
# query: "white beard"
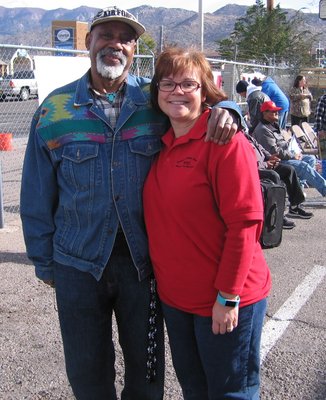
[[110, 71]]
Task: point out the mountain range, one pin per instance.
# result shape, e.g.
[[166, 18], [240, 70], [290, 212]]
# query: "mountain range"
[[32, 26]]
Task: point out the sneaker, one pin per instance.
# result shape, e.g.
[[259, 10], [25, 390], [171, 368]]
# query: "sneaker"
[[299, 212], [287, 224]]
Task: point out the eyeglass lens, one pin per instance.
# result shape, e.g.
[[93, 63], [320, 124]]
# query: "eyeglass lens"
[[170, 86]]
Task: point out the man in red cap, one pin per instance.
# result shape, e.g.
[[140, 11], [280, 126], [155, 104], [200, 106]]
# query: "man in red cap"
[[269, 135]]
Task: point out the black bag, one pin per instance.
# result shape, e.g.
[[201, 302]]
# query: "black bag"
[[274, 204]]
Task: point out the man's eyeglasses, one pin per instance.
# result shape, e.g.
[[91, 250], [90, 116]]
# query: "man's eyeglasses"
[[167, 85]]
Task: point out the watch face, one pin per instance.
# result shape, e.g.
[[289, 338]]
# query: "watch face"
[[230, 303]]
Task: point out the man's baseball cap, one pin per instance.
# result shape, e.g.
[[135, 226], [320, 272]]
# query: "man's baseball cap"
[[269, 106], [241, 86], [117, 14]]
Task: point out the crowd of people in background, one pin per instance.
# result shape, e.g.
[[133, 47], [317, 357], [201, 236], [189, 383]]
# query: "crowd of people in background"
[[267, 118]]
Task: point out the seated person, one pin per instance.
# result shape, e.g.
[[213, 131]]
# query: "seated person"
[[255, 98], [269, 167], [269, 135]]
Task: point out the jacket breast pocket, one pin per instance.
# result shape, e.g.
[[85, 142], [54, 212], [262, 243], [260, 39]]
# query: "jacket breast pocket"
[[146, 146], [81, 165]]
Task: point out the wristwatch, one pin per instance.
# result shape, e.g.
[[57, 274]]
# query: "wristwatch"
[[227, 302]]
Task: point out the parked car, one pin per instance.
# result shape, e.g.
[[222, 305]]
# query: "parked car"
[[22, 85]]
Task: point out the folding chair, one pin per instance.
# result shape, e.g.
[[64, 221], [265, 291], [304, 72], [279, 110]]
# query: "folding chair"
[[287, 134], [304, 140], [311, 135], [298, 132]]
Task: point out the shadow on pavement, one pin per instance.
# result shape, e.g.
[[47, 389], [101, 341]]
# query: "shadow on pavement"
[[14, 257]]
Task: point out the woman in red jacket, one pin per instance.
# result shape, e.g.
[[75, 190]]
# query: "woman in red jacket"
[[204, 215]]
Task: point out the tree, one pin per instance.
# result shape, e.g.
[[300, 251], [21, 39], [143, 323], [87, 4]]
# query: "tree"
[[269, 36], [147, 44]]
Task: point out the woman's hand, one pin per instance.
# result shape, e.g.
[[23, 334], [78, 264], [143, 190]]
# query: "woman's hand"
[[224, 319], [222, 126]]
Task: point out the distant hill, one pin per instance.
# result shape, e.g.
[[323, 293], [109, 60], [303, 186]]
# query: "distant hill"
[[32, 26]]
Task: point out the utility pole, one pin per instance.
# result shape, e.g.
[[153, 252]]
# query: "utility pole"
[[161, 38], [201, 24], [270, 5]]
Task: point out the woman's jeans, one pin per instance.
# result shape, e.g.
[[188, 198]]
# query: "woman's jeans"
[[211, 367], [85, 309]]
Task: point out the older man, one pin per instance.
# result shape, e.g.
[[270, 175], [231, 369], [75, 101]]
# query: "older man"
[[269, 135], [269, 167], [91, 145]]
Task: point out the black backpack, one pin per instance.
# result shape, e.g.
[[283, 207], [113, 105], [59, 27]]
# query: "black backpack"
[[274, 204]]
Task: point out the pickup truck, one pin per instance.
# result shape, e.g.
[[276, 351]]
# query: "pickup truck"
[[22, 84]]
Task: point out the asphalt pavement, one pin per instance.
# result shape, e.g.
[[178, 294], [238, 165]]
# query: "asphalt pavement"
[[293, 343]]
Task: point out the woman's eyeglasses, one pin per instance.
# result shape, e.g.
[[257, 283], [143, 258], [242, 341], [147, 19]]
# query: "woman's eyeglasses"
[[167, 85]]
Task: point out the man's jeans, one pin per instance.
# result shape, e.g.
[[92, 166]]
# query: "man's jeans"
[[305, 169], [85, 309], [212, 367]]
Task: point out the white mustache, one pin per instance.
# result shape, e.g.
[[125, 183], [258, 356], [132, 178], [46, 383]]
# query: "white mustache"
[[113, 71], [111, 52]]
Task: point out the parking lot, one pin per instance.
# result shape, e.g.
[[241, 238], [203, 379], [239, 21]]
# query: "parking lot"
[[294, 339]]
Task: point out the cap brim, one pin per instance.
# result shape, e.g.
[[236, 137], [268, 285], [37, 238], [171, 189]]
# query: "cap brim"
[[272, 109], [136, 26]]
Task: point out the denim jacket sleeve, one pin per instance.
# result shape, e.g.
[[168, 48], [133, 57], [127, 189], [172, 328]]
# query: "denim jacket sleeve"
[[39, 196]]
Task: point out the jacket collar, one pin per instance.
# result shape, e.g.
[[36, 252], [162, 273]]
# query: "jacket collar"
[[83, 95]]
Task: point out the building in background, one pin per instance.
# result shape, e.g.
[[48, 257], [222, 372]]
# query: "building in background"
[[69, 35]]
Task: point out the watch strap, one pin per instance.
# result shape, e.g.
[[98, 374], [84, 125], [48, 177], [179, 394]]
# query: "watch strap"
[[228, 302]]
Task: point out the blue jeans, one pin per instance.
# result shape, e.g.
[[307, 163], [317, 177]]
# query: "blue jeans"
[[85, 308], [212, 367], [305, 169]]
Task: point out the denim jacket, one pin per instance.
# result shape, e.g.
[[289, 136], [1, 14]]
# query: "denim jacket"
[[82, 178]]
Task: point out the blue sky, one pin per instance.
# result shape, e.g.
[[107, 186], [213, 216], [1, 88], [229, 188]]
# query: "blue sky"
[[208, 5]]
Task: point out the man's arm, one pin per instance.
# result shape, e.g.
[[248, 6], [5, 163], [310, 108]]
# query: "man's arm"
[[37, 204], [320, 114], [224, 122], [267, 139]]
